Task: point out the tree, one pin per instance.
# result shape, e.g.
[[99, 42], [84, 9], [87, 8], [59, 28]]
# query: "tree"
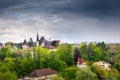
[[84, 50], [30, 42], [10, 44], [6, 74], [66, 54], [104, 50], [26, 66], [85, 74], [100, 71], [76, 54], [56, 78], [41, 57], [69, 73], [117, 61], [57, 64], [5, 52], [113, 75], [10, 63]]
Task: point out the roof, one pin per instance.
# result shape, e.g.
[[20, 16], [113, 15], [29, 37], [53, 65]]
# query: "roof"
[[42, 72], [25, 42], [42, 40], [81, 60], [37, 39]]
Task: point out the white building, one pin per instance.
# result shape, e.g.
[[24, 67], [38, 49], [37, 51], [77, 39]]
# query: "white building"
[[104, 65]]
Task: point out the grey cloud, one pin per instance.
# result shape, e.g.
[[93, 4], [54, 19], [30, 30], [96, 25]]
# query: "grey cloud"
[[61, 19], [92, 8]]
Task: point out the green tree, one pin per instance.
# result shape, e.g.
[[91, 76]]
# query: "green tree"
[[84, 50], [41, 57], [5, 74], [10, 63], [69, 73], [113, 75], [100, 71], [30, 42], [57, 64], [8, 76], [26, 66], [66, 54], [117, 61], [5, 52], [85, 74], [104, 50], [10, 44], [56, 78]]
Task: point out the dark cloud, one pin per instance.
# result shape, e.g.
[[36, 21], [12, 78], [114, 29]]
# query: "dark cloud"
[[65, 19], [95, 8], [8, 3]]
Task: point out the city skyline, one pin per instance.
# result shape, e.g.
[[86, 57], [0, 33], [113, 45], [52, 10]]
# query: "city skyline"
[[64, 20]]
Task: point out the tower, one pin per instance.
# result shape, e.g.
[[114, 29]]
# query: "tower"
[[37, 40], [25, 44]]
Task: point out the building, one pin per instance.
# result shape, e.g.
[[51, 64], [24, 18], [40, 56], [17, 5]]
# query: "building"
[[25, 44], [42, 74], [46, 43], [37, 40], [104, 65], [81, 62], [51, 45]]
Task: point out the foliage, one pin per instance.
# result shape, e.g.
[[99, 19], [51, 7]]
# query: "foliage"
[[85, 74], [5, 52], [18, 62], [66, 54], [100, 71], [69, 73], [117, 61], [41, 57], [26, 66], [113, 75], [6, 74], [30, 42]]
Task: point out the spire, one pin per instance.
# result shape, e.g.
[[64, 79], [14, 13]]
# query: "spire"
[[37, 39]]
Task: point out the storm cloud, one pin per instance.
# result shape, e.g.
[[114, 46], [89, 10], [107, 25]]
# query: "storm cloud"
[[66, 20]]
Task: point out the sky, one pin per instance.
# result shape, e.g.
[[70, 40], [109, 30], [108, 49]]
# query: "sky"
[[66, 20]]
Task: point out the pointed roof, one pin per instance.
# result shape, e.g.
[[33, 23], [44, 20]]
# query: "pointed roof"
[[25, 42], [81, 60], [37, 39], [42, 39]]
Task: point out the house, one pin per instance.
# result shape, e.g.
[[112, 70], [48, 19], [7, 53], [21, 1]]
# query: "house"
[[104, 65], [41, 74], [81, 62], [25, 44]]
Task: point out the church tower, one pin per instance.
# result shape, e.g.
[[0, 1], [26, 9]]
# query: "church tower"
[[37, 40]]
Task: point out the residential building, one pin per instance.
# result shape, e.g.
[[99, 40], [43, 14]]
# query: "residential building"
[[104, 65], [42, 74], [81, 62]]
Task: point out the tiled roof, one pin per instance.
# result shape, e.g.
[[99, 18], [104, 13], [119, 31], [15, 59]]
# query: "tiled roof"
[[81, 60], [41, 73]]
